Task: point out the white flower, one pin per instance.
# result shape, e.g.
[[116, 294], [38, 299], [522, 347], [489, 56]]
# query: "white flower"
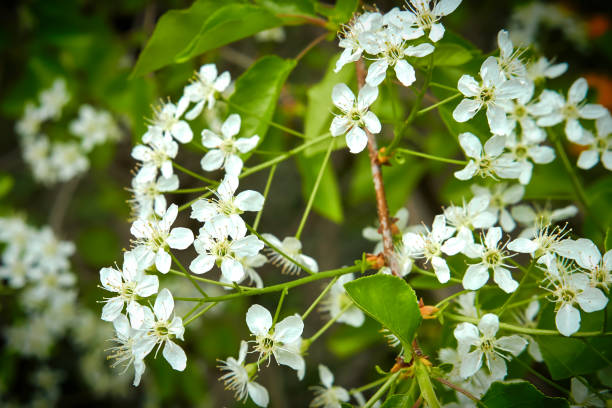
[[572, 110], [599, 146], [224, 149], [130, 283], [492, 258], [167, 119], [544, 246], [490, 93], [355, 116], [533, 220], [277, 342], [587, 256], [468, 217], [214, 245], [226, 205], [160, 329], [351, 34], [432, 244], [239, 380], [483, 339], [156, 155], [29, 124], [487, 162], [337, 299], [398, 228], [524, 151], [391, 51], [155, 236], [68, 159], [203, 90], [501, 196], [52, 100], [466, 305], [509, 59], [292, 247], [328, 396], [149, 199], [249, 263], [568, 289], [94, 127], [425, 18], [583, 397], [525, 110], [542, 68], [123, 351]]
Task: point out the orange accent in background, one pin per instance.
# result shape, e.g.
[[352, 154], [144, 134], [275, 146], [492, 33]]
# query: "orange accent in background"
[[598, 25], [603, 85]]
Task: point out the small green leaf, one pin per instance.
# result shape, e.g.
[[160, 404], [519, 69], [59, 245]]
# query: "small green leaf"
[[519, 394], [296, 7], [257, 92], [227, 24], [327, 202], [449, 54], [173, 32], [398, 401], [389, 300]]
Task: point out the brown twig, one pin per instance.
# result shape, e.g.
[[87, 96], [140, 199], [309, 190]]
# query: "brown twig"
[[418, 402], [457, 388], [308, 19], [310, 46], [381, 199], [61, 203]]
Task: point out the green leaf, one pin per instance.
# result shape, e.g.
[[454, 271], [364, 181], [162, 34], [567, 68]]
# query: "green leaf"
[[257, 92], [341, 12], [608, 240], [327, 202], [389, 300], [519, 394], [6, 184], [296, 7], [449, 54], [398, 401], [320, 106], [227, 24], [565, 356], [173, 32]]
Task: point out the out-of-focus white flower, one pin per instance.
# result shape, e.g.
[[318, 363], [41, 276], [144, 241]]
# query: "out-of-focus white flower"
[[583, 397], [337, 300], [527, 318], [432, 244], [399, 227], [500, 196], [599, 146], [224, 149], [238, 379], [129, 283], [329, 395], [68, 160], [276, 34], [94, 127], [154, 236], [466, 305], [542, 68], [532, 220], [491, 92], [487, 162], [571, 110], [355, 116], [203, 91], [53, 100], [483, 339], [291, 247], [226, 205], [159, 329], [278, 342]]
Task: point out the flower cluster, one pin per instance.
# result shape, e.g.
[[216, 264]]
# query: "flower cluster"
[[57, 161]]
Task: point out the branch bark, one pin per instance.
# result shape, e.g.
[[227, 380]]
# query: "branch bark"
[[379, 187]]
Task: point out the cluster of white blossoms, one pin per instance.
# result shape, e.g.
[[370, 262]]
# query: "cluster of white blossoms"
[[518, 117], [388, 40], [53, 161]]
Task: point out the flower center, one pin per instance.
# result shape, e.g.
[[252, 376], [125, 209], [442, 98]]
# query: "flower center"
[[432, 248], [492, 257], [569, 111]]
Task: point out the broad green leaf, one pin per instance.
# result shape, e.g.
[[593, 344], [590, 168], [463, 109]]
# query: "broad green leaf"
[[257, 92], [341, 12], [389, 300], [292, 7], [565, 356], [320, 106], [227, 24], [398, 401], [520, 394], [327, 202], [450, 54], [173, 32]]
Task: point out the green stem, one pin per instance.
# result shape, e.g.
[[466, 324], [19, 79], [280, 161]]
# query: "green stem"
[[431, 157], [427, 391], [265, 195], [280, 305], [188, 204], [442, 86], [318, 299], [200, 313], [268, 122], [283, 157], [189, 190], [380, 392], [315, 188], [279, 251], [193, 174], [570, 170], [182, 268], [191, 311], [369, 385], [212, 282], [438, 104], [433, 275], [527, 330], [281, 286], [451, 297], [327, 325], [513, 294]]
